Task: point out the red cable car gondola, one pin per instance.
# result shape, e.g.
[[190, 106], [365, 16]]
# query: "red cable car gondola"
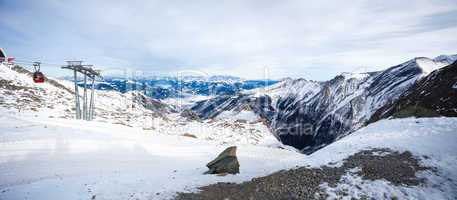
[[38, 77]]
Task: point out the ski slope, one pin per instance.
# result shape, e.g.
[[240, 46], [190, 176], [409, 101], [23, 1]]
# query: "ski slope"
[[51, 158], [43, 158]]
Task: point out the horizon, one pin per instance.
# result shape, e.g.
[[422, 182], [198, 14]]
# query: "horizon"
[[251, 40], [129, 74]]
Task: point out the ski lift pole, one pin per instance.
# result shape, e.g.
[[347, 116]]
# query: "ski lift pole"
[[85, 98], [77, 106], [92, 106]]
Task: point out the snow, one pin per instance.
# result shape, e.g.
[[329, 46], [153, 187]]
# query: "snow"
[[65, 159], [360, 76], [432, 137], [356, 187], [45, 158], [247, 115], [428, 65], [300, 88], [223, 131], [186, 102]]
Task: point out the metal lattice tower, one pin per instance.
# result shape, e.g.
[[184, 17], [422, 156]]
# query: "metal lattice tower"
[[88, 72]]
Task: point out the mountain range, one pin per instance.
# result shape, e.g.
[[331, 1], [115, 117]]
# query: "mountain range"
[[309, 115], [180, 87]]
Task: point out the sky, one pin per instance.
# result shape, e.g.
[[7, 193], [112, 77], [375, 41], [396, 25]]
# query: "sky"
[[253, 39]]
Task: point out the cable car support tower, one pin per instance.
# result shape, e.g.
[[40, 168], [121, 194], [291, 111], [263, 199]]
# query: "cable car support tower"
[[88, 72]]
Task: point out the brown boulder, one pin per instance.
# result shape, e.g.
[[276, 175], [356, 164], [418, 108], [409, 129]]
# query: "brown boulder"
[[225, 162]]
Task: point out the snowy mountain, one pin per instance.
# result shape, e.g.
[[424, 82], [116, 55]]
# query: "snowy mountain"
[[431, 96], [345, 104], [260, 101], [309, 115]]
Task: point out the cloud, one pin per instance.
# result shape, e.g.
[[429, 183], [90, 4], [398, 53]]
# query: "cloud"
[[311, 39]]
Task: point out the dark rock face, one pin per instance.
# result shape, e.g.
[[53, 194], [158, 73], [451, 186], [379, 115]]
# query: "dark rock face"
[[226, 162], [190, 115], [310, 123], [159, 108], [434, 95], [213, 107]]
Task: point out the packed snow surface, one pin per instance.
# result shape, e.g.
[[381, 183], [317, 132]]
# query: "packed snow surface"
[[50, 158]]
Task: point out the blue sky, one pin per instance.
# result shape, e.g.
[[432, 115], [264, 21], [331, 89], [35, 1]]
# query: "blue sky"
[[251, 39]]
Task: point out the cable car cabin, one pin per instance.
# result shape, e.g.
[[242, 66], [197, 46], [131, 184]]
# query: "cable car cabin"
[[38, 77]]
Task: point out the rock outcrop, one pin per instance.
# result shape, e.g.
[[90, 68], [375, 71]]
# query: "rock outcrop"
[[226, 162]]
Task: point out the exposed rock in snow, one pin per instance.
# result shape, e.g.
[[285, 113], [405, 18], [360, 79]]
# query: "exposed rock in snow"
[[225, 162]]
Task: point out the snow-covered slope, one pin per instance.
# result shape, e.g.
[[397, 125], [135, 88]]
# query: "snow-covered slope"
[[51, 158], [431, 138], [299, 88], [55, 99], [212, 108]]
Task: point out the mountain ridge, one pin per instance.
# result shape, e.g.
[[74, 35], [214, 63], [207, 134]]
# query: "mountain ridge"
[[332, 109]]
